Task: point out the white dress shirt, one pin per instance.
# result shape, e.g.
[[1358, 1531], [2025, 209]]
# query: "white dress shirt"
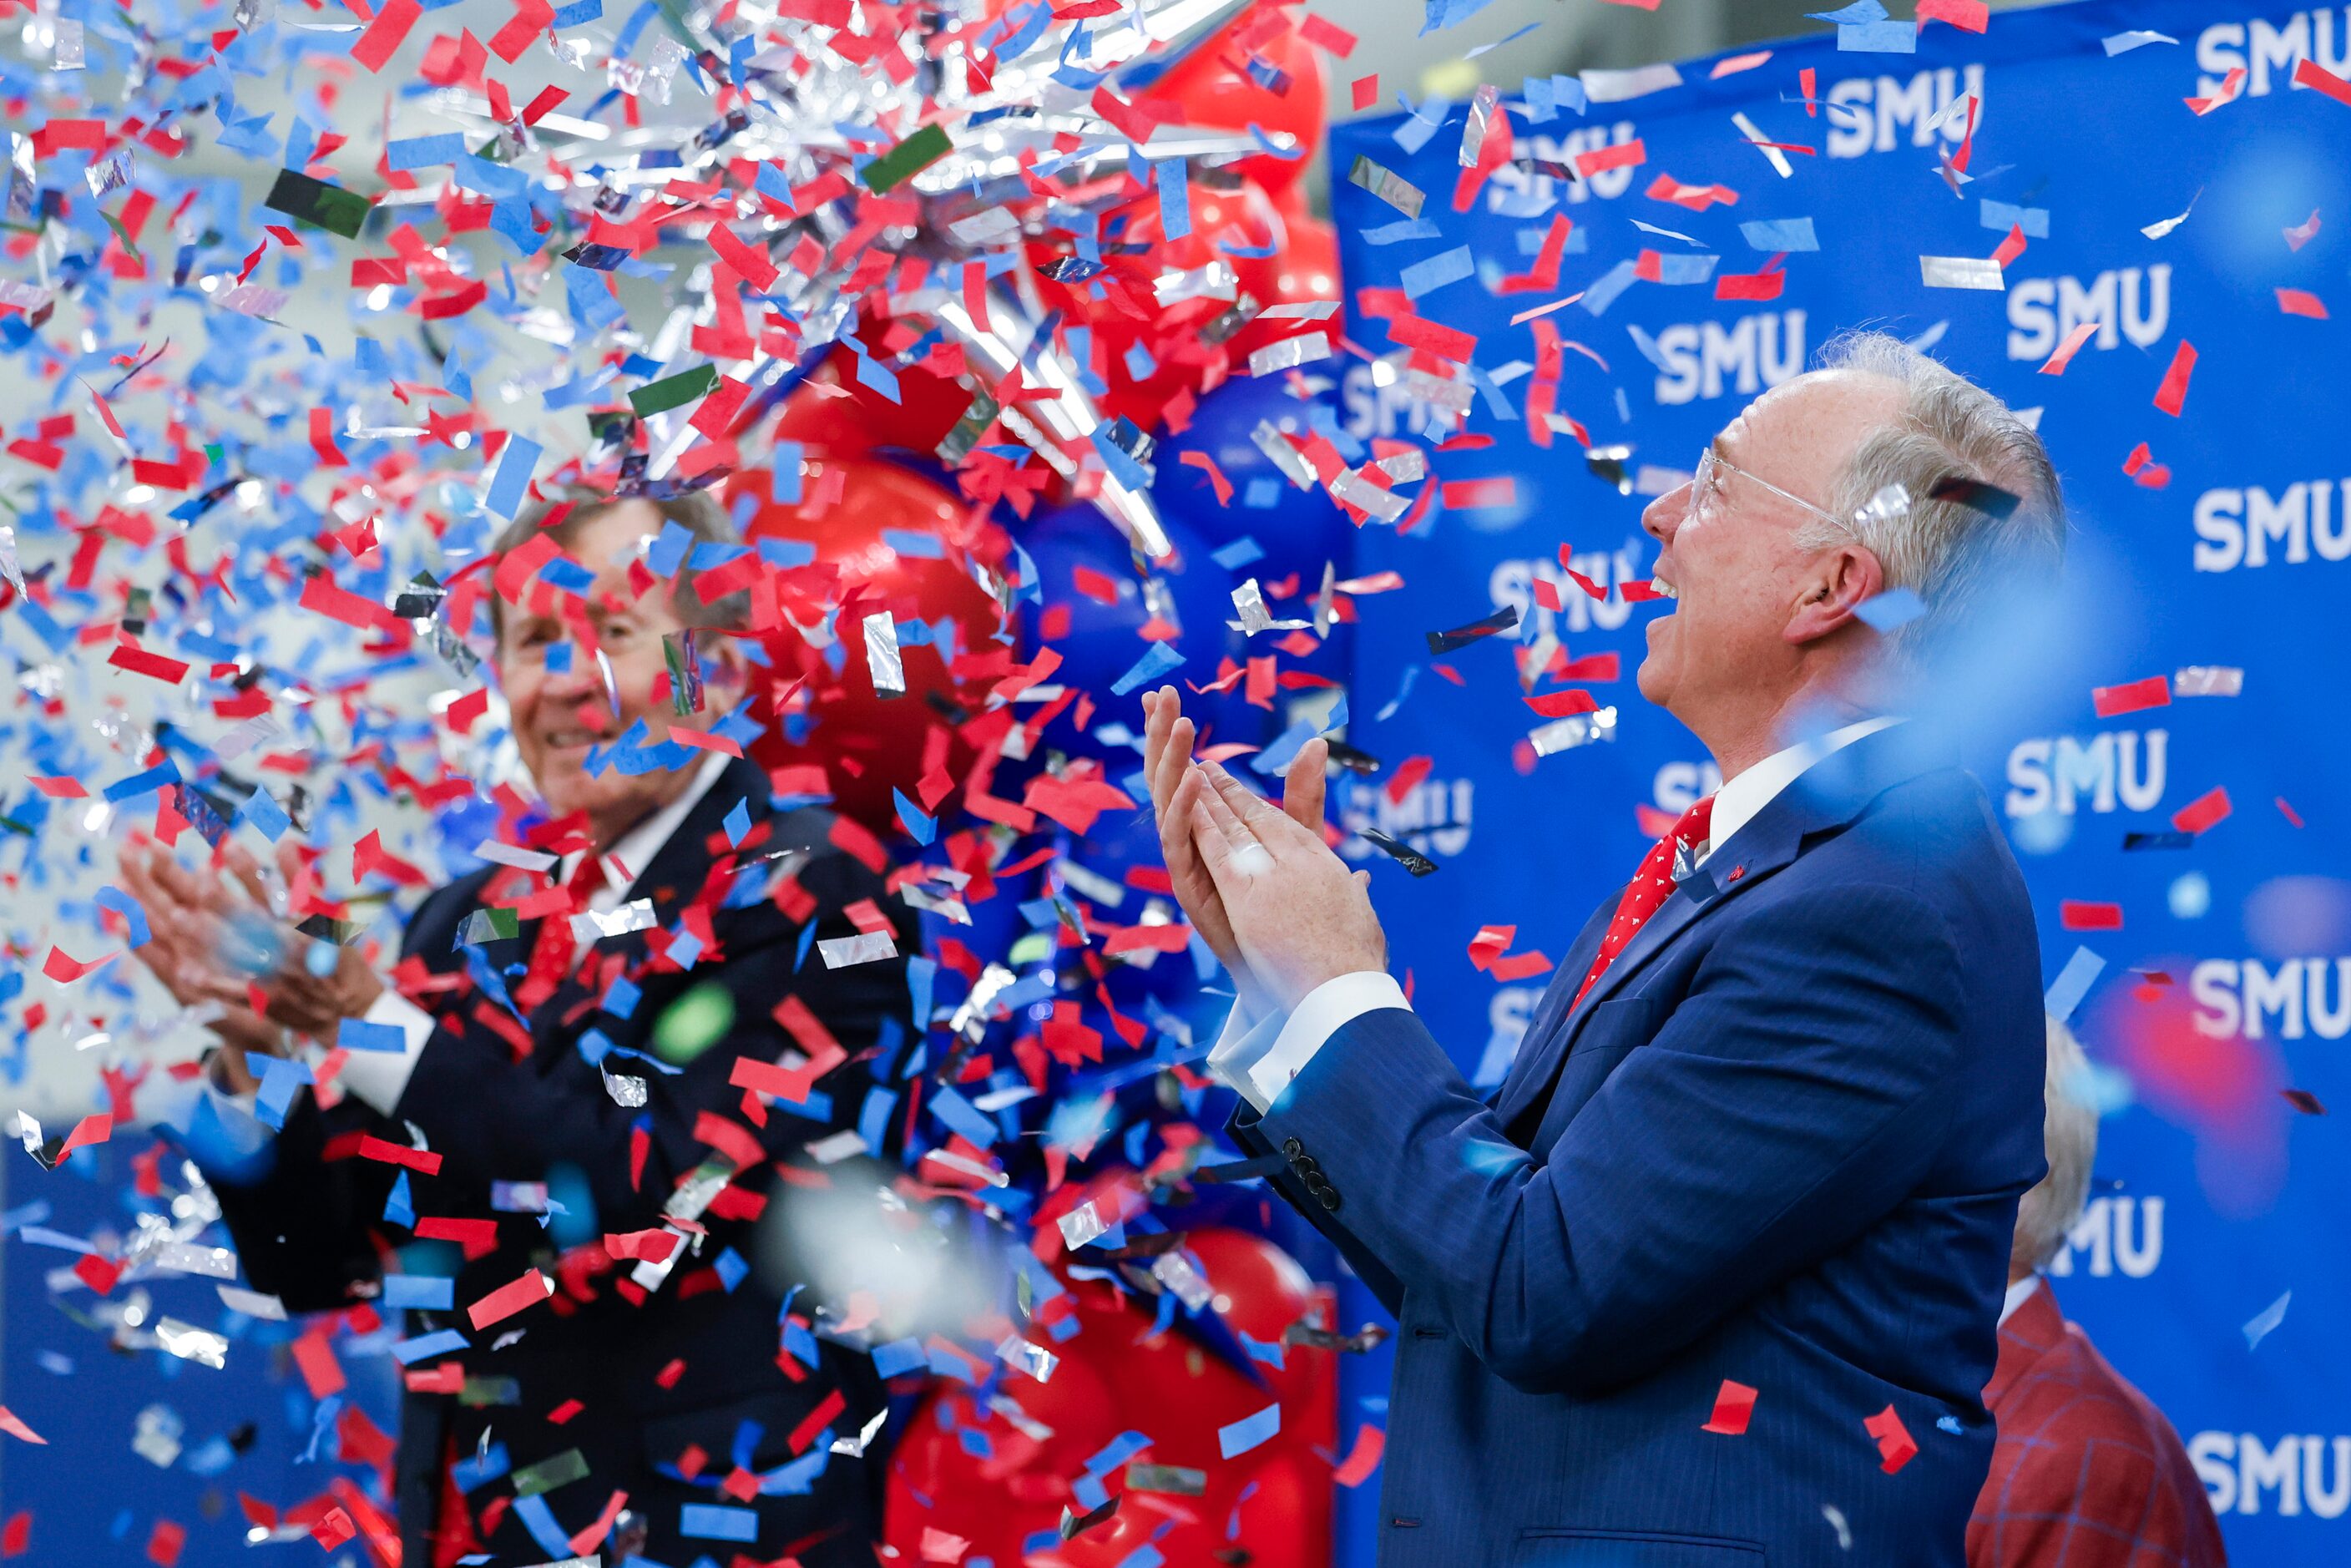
[[2018, 1294], [379, 1078], [1260, 1058]]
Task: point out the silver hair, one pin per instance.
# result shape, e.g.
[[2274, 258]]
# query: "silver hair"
[[1955, 556], [2069, 1127]]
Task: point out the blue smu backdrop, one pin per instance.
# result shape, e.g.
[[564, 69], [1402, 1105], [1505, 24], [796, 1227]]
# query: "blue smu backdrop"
[[2229, 979]]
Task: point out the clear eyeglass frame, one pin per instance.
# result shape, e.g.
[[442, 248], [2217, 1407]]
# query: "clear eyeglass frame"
[[1704, 481]]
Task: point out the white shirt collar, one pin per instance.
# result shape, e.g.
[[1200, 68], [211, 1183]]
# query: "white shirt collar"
[[2018, 1294], [1740, 799], [633, 851]]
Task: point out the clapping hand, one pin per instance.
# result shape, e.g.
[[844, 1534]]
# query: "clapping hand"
[[195, 918], [1260, 885]]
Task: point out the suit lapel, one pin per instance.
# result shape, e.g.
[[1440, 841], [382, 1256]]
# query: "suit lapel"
[[1828, 795], [671, 879], [1538, 1059]]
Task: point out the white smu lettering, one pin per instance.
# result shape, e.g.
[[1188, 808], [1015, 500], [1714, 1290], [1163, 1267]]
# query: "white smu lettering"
[[2053, 774], [1511, 585], [1865, 113], [1706, 359], [1372, 409], [2107, 1233], [2043, 310], [1681, 785], [1433, 817], [2237, 1467], [2289, 998], [2240, 528], [2266, 51], [1507, 1017]]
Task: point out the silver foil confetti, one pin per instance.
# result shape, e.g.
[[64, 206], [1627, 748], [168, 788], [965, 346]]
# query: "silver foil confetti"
[[1290, 353], [190, 1342], [1483, 103], [882, 660], [1022, 1356], [628, 1092], [1249, 603], [1388, 185], [1892, 502], [1283, 455], [637, 914], [2207, 681], [1962, 272], [1081, 1224], [1365, 496], [1576, 729], [866, 947], [185, 1257]]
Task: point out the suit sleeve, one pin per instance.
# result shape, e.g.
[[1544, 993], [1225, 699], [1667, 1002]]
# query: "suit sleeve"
[[1792, 1098], [303, 1224], [1247, 1131], [492, 1118]]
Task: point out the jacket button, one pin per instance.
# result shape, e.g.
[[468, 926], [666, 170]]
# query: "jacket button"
[[1305, 1167], [1328, 1196], [1292, 1147]]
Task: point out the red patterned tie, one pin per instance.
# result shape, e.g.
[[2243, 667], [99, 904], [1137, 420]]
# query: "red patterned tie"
[[1649, 888], [551, 955]]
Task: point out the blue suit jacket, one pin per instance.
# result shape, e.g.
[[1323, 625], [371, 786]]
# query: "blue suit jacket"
[[1780, 1143]]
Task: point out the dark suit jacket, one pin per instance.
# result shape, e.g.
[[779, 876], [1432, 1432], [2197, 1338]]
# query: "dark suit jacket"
[[2086, 1474], [694, 1361], [1779, 1144]]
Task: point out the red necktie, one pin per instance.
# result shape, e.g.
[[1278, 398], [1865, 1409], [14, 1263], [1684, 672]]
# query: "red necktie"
[[1649, 888], [551, 954]]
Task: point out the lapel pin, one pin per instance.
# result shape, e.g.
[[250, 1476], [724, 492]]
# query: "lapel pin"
[[1736, 873]]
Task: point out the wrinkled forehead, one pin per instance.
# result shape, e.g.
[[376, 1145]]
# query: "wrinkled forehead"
[[1801, 433]]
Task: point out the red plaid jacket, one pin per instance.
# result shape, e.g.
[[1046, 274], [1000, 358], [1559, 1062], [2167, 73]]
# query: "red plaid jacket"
[[2086, 1473]]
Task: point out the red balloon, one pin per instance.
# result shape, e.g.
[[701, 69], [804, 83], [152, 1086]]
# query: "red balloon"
[[869, 743], [1213, 89], [1111, 1380]]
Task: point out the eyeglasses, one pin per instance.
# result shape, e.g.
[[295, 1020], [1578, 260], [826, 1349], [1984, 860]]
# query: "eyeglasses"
[[1703, 487]]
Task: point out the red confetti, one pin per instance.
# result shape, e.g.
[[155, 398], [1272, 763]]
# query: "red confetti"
[[1366, 90], [1894, 1447], [1734, 1405], [2074, 914], [2290, 814], [2201, 812], [1468, 495], [1599, 160], [64, 969], [1969, 15], [2299, 302], [387, 33], [1749, 285], [2055, 364], [2174, 390], [2153, 692], [2308, 72], [1361, 1459], [509, 1299], [1408, 773]]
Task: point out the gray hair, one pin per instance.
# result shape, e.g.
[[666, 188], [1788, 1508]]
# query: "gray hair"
[[1955, 556], [693, 510], [2069, 1127]]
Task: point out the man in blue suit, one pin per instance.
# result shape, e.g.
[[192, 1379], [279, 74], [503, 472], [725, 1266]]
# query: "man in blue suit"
[[1712, 1280]]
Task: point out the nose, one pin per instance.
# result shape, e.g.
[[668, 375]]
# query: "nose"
[[1662, 519]]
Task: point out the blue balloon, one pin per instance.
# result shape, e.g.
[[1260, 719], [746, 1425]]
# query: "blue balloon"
[[1297, 529], [1102, 642]]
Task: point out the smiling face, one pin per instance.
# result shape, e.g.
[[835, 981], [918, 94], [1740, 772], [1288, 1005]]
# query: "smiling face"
[[1749, 597], [558, 714]]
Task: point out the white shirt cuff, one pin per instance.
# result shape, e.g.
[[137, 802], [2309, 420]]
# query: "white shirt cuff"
[[381, 1077], [1260, 1062]]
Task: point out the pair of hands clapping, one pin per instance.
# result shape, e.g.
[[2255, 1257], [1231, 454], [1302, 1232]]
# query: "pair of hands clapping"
[[197, 919], [1282, 912]]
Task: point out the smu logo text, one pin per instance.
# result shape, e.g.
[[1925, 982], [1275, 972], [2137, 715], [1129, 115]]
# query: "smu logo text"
[[1511, 587], [2124, 301], [1705, 359], [2285, 998], [2297, 1473], [1433, 817], [1865, 113], [2266, 51], [2119, 769], [2252, 528], [2114, 1235]]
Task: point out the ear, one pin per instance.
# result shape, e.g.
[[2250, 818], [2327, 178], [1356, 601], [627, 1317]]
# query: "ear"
[[1838, 580], [727, 672]]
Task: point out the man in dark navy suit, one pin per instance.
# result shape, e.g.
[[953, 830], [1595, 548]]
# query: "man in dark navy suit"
[[582, 1080], [1711, 1282]]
